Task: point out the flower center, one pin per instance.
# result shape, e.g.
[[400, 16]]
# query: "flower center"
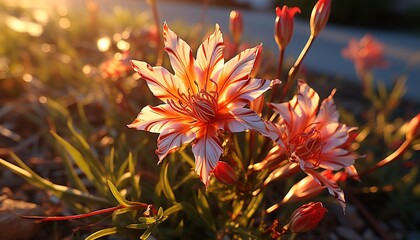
[[202, 106], [307, 146]]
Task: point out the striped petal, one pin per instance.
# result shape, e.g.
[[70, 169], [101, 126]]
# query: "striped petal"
[[173, 137], [210, 59], [327, 112], [160, 81], [331, 185], [207, 150], [236, 69], [181, 57], [337, 159], [240, 93], [308, 101], [241, 119], [157, 119]]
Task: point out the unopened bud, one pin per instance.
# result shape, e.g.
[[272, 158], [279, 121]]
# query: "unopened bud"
[[306, 217], [284, 23], [319, 16], [224, 173], [236, 25]]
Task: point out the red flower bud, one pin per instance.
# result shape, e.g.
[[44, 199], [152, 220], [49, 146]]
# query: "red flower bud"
[[236, 25], [284, 25], [224, 173], [319, 16], [306, 217]]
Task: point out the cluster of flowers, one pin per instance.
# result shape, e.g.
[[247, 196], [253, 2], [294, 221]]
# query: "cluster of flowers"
[[206, 96]]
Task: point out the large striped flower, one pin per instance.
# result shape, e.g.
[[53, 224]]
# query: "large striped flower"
[[312, 136], [204, 95]]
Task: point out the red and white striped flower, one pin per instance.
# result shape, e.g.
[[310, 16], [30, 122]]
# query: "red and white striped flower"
[[312, 136], [203, 96]]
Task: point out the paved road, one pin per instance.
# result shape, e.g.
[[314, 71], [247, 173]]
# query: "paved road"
[[401, 50]]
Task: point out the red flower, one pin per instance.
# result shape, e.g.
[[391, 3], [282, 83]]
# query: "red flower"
[[284, 25], [306, 217]]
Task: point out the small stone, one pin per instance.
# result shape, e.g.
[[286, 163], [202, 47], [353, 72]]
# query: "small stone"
[[17, 227], [368, 234], [332, 236], [415, 235], [396, 225], [354, 218], [347, 233]]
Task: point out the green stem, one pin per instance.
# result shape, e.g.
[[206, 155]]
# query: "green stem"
[[279, 73], [294, 70]]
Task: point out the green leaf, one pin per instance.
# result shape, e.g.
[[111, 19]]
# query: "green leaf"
[[138, 226], [203, 208], [76, 156], [135, 179], [173, 209], [147, 233], [147, 220], [102, 233], [117, 195], [166, 187], [67, 194]]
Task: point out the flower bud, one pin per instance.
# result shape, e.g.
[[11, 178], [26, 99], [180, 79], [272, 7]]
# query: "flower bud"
[[284, 25], [319, 16], [306, 217], [224, 173], [236, 25]]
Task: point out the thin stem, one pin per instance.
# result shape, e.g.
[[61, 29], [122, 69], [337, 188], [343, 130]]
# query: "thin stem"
[[389, 158], [294, 70], [159, 48], [279, 73], [72, 217]]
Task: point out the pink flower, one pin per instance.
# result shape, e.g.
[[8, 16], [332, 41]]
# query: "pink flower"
[[366, 54], [319, 16], [284, 25], [307, 217], [236, 25], [312, 136], [204, 95]]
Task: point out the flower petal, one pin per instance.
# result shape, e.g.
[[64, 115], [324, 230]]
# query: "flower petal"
[[173, 137], [207, 150], [327, 112], [181, 57], [157, 119], [331, 185], [336, 159], [308, 101], [241, 92], [160, 81], [237, 69], [241, 119], [210, 59]]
